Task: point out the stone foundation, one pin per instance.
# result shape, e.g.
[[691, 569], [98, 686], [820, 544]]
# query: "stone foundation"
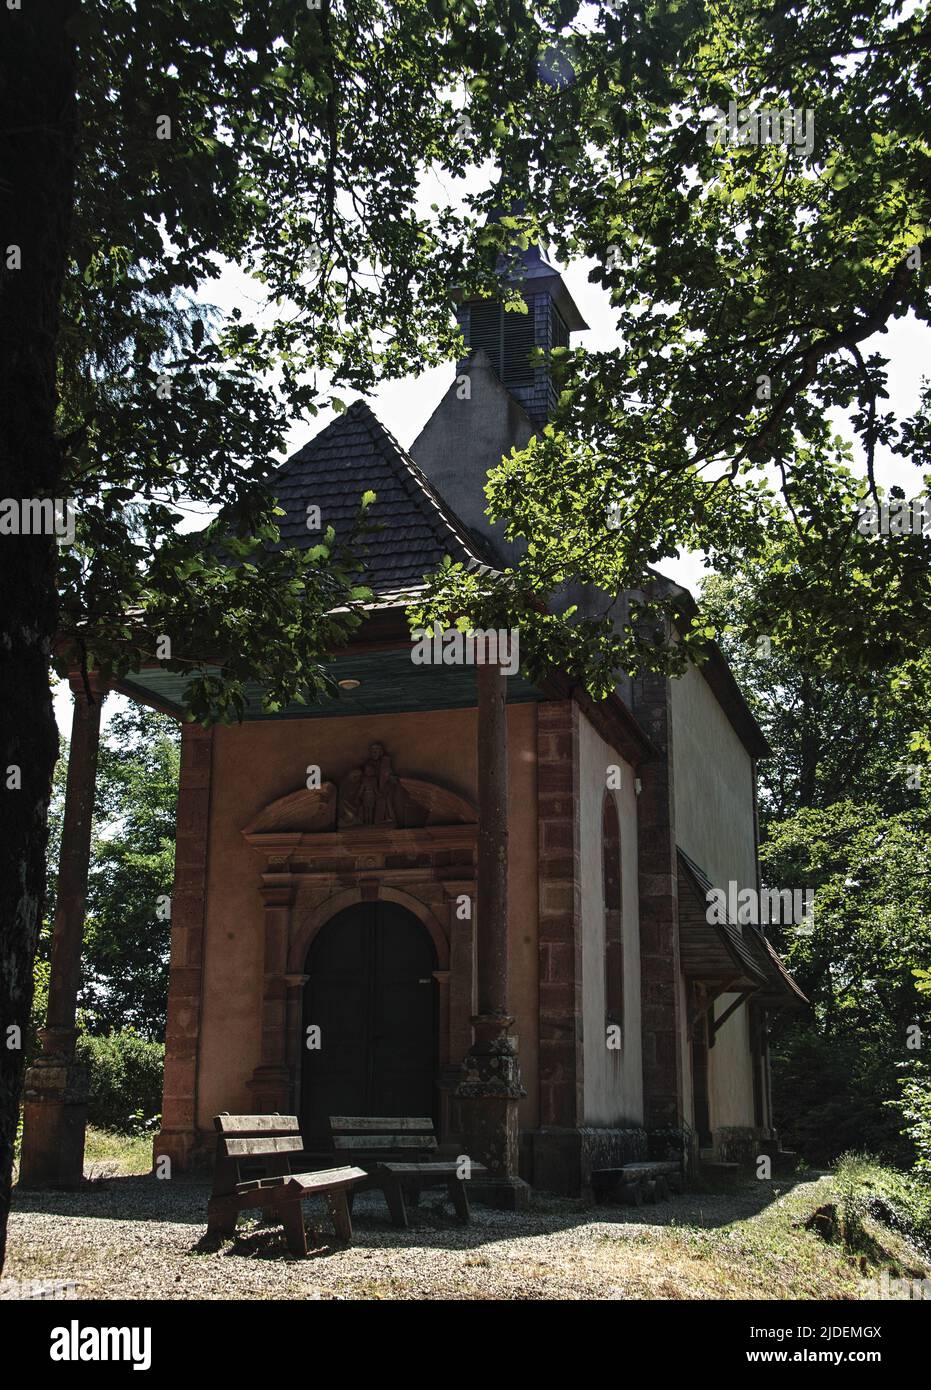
[[189, 1151], [737, 1144], [677, 1142], [562, 1160]]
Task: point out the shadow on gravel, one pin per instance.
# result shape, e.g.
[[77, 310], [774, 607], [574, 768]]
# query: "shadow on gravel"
[[267, 1243], [140, 1197], [710, 1208], [183, 1200]]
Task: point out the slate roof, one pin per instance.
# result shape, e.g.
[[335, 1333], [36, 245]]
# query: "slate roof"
[[355, 454], [703, 940], [746, 944], [780, 980]]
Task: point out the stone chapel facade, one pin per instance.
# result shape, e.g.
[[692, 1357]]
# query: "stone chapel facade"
[[327, 915]]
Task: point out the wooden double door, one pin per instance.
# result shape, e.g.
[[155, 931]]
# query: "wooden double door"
[[371, 993]]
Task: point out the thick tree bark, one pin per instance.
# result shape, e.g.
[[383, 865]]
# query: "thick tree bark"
[[37, 141]]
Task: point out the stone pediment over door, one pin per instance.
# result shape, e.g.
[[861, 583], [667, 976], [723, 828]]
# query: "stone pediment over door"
[[370, 835], [371, 797]]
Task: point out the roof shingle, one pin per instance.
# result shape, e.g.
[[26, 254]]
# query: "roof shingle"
[[355, 454]]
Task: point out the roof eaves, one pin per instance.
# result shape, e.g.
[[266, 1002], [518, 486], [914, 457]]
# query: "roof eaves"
[[730, 932], [754, 945]]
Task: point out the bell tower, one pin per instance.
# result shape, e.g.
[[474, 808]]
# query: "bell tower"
[[508, 336]]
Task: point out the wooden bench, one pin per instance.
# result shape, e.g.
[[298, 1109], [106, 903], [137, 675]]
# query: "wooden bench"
[[253, 1169], [399, 1155], [638, 1182]]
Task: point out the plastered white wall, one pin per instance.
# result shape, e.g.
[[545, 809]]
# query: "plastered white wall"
[[613, 1080], [713, 778], [730, 1074]]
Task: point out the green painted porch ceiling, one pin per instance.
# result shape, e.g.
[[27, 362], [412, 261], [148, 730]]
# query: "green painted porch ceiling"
[[390, 683]]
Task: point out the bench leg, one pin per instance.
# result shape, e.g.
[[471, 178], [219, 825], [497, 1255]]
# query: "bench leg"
[[460, 1199], [394, 1196], [291, 1216], [221, 1217], [338, 1204]]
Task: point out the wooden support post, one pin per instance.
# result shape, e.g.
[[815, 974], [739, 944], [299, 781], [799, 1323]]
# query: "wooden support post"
[[338, 1204], [292, 1219], [55, 1110], [718, 1023], [491, 1088]]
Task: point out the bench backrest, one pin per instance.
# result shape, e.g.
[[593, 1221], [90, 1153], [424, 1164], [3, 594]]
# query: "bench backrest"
[[376, 1137], [249, 1126], [253, 1146]]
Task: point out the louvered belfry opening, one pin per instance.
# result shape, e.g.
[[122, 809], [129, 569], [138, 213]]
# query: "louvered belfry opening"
[[509, 336]]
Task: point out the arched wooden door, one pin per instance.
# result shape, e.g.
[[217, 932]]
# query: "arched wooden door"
[[372, 994]]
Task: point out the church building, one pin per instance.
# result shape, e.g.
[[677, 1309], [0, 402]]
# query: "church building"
[[453, 893]]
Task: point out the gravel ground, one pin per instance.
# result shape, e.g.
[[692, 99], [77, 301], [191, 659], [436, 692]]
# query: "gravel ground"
[[137, 1237]]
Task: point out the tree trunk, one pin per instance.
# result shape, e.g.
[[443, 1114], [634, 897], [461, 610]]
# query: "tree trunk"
[[37, 131]]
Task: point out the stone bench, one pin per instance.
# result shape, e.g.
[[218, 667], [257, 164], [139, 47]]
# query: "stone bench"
[[635, 1183]]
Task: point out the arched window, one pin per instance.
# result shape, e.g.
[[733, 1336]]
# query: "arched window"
[[614, 930]]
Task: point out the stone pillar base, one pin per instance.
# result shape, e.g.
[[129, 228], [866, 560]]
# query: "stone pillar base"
[[488, 1096], [489, 1131], [507, 1194], [54, 1117], [271, 1090], [186, 1149]]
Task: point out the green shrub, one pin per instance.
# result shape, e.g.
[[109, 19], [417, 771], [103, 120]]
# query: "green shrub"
[[902, 1201], [916, 1107], [125, 1080], [833, 1095]]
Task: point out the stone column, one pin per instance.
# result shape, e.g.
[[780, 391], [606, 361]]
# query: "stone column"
[[560, 930], [457, 1002], [55, 1110], [461, 967], [490, 1089], [295, 1042], [557, 1144]]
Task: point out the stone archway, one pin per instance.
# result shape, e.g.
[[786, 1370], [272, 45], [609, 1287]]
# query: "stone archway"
[[313, 867], [303, 932], [369, 1026]]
